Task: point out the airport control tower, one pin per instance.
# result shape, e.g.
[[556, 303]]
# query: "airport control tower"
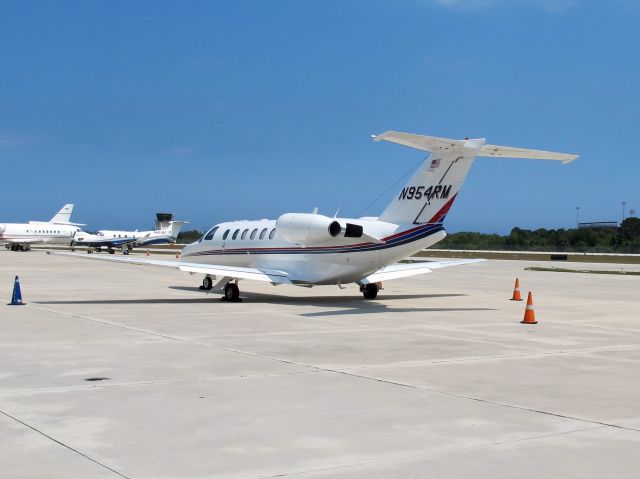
[[162, 220]]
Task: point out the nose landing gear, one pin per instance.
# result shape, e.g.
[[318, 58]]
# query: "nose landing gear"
[[207, 283]]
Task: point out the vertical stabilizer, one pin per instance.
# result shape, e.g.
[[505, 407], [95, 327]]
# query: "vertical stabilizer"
[[176, 226], [431, 191], [64, 215]]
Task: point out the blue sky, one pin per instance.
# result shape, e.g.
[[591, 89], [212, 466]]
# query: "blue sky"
[[228, 110]]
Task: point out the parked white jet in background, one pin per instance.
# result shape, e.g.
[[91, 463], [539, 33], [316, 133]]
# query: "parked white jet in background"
[[127, 240], [58, 230], [311, 249]]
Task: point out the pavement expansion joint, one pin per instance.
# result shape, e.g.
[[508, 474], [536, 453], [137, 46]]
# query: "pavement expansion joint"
[[576, 352], [431, 453], [66, 446]]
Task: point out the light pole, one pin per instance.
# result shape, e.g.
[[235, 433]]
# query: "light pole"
[[577, 217], [624, 203]]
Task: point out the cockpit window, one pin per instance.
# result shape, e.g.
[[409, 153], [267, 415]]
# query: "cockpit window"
[[262, 233], [210, 233], [272, 234]]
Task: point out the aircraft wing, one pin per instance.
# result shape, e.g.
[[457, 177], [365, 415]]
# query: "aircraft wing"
[[402, 270], [267, 275]]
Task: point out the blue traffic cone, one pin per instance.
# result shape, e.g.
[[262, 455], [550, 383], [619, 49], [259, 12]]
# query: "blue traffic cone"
[[16, 297]]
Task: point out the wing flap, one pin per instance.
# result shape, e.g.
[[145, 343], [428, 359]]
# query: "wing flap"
[[403, 270]]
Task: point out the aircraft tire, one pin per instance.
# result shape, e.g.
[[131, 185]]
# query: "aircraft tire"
[[231, 292], [370, 291], [207, 283], [112, 251], [125, 251]]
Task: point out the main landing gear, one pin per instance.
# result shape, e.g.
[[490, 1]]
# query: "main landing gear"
[[231, 292], [369, 291]]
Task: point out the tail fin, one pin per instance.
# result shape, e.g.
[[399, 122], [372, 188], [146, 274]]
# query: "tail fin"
[[176, 226], [64, 215], [431, 191]]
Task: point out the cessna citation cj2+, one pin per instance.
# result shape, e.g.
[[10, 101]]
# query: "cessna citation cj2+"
[[308, 249]]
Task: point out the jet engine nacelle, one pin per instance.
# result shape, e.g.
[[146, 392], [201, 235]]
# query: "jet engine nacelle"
[[307, 228]]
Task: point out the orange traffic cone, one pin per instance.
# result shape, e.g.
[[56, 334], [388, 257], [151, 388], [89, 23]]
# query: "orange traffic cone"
[[148, 253], [529, 314], [516, 292]]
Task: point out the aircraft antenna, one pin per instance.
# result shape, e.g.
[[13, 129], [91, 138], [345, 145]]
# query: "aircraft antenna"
[[395, 183]]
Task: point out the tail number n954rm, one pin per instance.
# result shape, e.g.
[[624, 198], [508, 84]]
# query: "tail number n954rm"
[[420, 192]]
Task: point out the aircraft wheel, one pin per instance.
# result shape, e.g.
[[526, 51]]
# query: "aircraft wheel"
[[14, 247], [370, 291], [112, 251], [98, 249], [207, 283], [232, 292], [125, 251]]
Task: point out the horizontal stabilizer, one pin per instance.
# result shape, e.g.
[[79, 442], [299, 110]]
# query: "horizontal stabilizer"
[[511, 152], [433, 144]]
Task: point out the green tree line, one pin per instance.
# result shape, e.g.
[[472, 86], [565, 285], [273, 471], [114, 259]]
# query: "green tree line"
[[624, 239]]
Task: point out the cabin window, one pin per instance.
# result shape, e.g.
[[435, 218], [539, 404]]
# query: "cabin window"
[[226, 233], [244, 234], [272, 234], [209, 235], [235, 234], [262, 233]]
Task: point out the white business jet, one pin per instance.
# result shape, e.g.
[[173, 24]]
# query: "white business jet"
[[308, 249], [127, 240], [58, 230]]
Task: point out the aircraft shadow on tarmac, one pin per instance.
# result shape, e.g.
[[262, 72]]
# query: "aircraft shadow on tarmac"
[[351, 304]]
